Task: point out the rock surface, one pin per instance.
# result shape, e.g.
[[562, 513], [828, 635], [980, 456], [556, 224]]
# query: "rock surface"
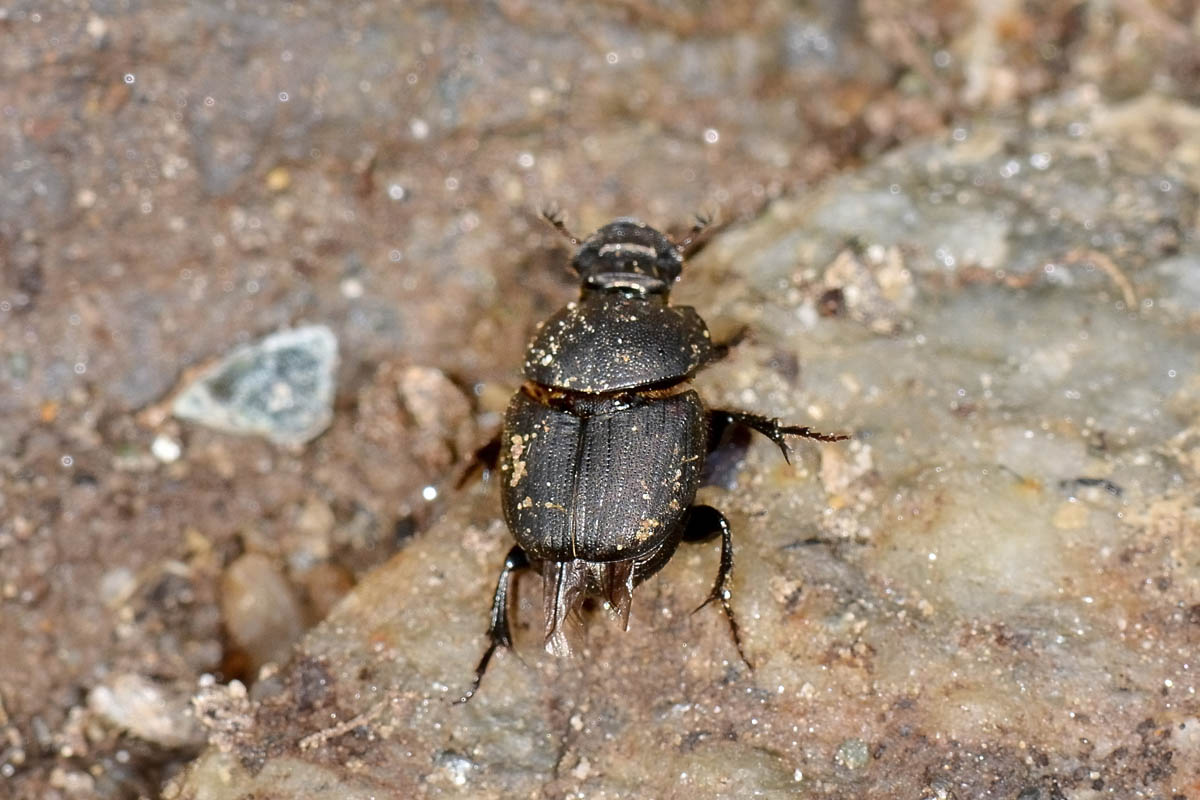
[[178, 180], [992, 591]]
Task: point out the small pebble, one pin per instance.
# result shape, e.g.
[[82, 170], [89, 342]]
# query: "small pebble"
[[852, 754], [280, 388], [148, 710], [166, 449], [261, 611], [325, 585]]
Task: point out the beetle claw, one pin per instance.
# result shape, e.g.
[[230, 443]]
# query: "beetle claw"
[[723, 595], [479, 670], [734, 629], [703, 605]]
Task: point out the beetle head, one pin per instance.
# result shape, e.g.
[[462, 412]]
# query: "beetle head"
[[628, 256]]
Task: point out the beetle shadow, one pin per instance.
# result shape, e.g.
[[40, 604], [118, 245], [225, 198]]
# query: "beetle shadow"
[[725, 459]]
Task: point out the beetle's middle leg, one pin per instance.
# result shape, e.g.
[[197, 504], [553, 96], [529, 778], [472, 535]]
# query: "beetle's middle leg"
[[720, 420], [700, 524], [483, 460], [499, 633]]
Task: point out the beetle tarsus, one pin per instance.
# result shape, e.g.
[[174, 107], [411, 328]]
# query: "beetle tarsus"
[[479, 670], [499, 633], [702, 524], [722, 419]]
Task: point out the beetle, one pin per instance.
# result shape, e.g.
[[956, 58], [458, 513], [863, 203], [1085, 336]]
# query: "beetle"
[[603, 447]]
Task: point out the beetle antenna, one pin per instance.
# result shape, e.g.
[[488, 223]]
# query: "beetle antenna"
[[554, 215], [696, 234]]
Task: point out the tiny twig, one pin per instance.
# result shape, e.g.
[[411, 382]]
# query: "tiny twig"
[[322, 736], [1086, 255]]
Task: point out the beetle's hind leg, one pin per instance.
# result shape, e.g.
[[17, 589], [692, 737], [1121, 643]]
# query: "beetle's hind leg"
[[499, 633], [720, 420], [701, 524]]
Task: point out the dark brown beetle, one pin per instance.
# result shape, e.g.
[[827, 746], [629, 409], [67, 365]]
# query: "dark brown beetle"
[[603, 448]]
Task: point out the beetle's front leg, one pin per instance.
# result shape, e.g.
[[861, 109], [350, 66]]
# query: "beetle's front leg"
[[723, 348], [720, 419], [499, 633], [701, 524]]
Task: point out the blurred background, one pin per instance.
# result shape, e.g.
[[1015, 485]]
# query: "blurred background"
[[179, 180]]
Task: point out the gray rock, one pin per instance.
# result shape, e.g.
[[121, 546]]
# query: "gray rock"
[[280, 388], [852, 754]]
